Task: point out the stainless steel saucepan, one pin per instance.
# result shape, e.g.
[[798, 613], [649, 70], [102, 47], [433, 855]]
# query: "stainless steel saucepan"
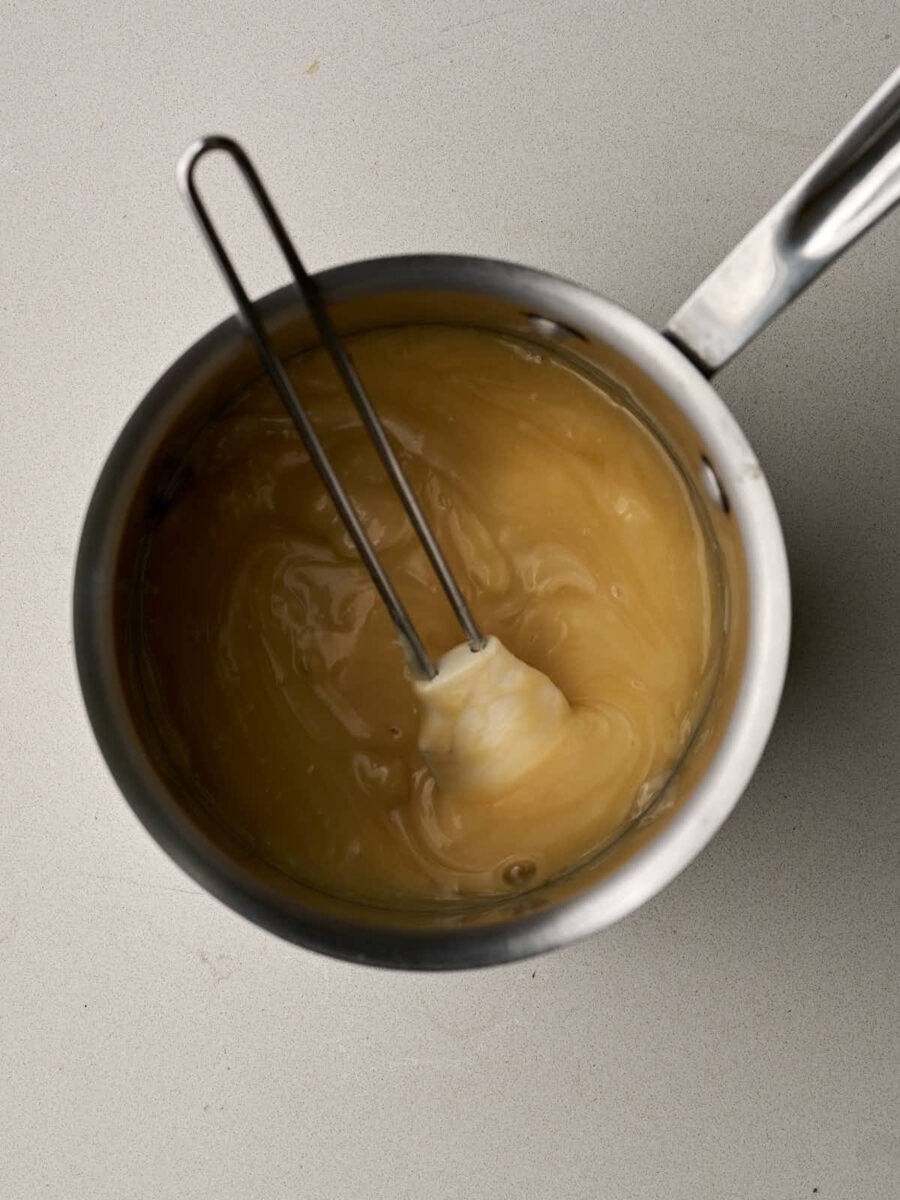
[[666, 376]]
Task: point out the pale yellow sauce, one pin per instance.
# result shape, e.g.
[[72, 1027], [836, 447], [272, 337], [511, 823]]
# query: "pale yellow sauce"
[[274, 670]]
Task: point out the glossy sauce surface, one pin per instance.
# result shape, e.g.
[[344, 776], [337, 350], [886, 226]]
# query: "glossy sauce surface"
[[273, 670]]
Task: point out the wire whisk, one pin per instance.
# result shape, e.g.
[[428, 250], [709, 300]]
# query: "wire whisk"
[[335, 348]]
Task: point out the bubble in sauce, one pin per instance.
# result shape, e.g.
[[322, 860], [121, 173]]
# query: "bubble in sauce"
[[520, 872]]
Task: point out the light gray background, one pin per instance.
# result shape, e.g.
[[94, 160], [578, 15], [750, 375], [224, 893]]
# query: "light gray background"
[[737, 1038]]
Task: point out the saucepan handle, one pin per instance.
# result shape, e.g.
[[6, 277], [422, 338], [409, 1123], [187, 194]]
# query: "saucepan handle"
[[846, 190]]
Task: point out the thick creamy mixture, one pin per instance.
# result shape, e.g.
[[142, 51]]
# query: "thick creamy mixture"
[[274, 672]]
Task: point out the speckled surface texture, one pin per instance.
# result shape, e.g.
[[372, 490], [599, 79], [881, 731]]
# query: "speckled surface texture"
[[737, 1037]]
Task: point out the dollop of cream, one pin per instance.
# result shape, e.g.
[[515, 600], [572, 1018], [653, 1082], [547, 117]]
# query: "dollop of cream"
[[487, 718]]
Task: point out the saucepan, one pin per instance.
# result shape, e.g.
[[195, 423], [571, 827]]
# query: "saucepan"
[[666, 377]]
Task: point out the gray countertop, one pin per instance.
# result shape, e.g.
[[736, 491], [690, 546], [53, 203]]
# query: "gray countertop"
[[738, 1036]]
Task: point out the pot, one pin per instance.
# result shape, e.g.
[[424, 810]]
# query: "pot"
[[666, 376]]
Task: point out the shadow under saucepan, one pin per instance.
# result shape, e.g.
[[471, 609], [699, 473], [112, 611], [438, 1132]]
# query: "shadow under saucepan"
[[803, 882]]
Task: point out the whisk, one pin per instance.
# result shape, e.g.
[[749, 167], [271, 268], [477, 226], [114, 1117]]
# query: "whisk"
[[335, 348]]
